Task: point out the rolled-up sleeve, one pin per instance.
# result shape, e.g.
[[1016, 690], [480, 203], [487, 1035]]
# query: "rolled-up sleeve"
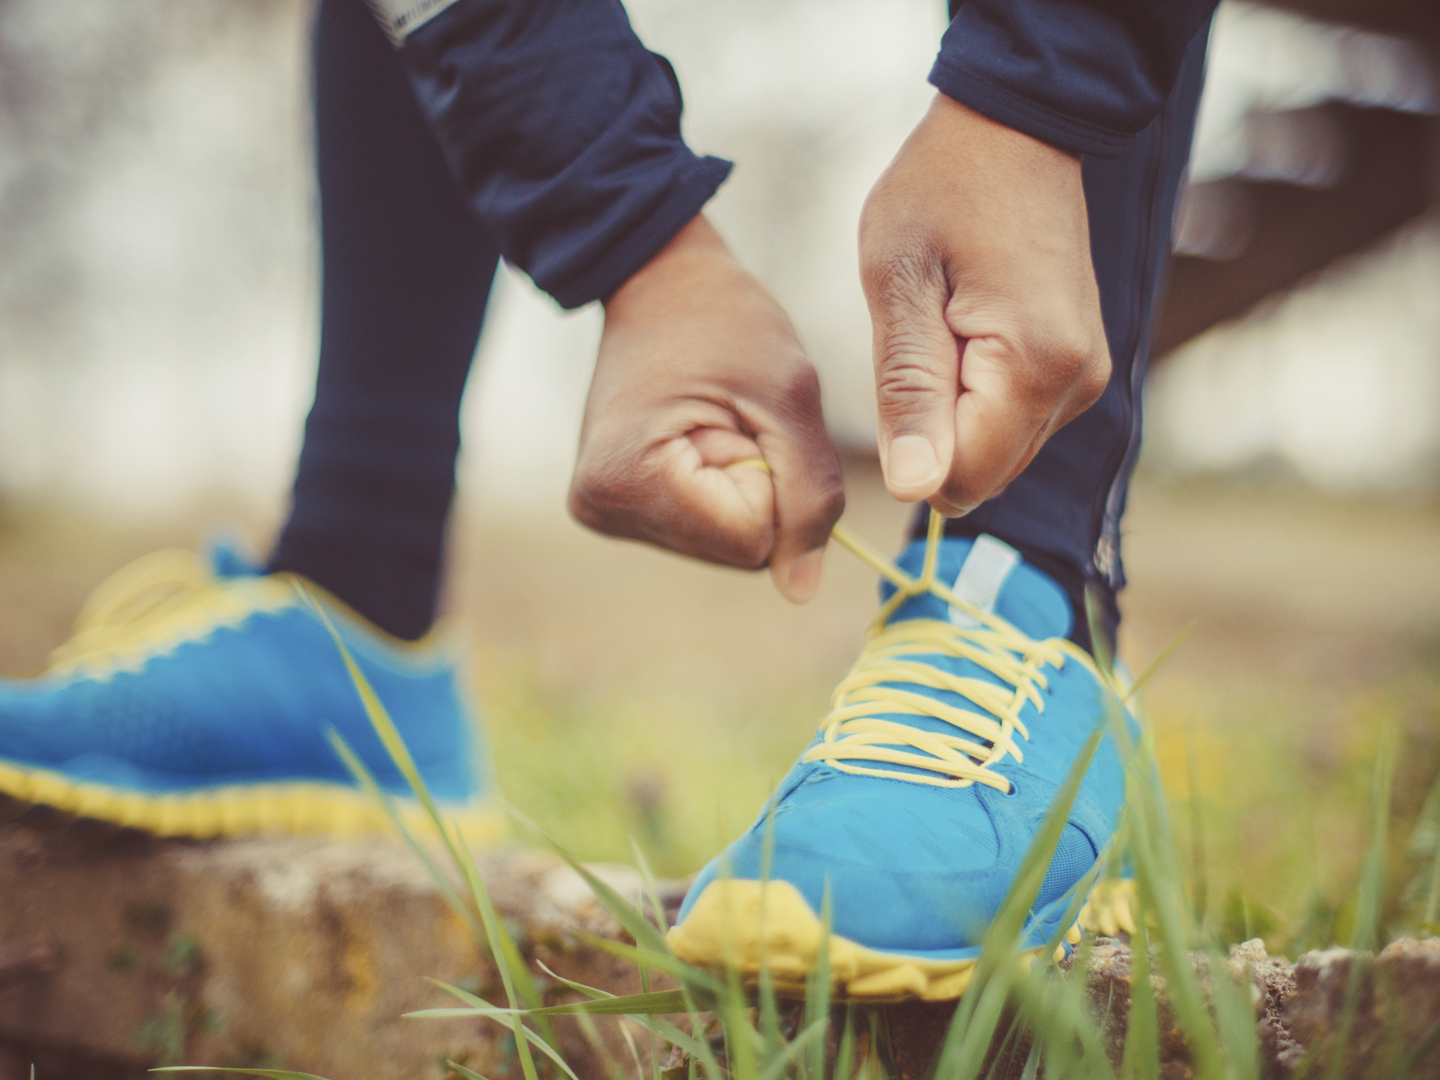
[[563, 131], [1083, 75]]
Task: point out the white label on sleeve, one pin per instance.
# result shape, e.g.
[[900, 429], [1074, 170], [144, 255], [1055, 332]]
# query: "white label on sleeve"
[[400, 17]]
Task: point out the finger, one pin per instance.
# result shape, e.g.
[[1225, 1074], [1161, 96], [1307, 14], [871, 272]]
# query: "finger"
[[998, 428], [809, 491], [664, 493], [737, 455], [917, 382]]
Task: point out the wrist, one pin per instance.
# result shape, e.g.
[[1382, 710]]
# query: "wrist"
[[697, 239], [971, 132]]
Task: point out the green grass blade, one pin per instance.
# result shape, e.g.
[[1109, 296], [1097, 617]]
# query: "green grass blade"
[[1142, 1031], [812, 1035], [650, 887], [1200, 875], [1426, 840], [1407, 1065], [973, 1026], [514, 972], [502, 948], [468, 1074], [1369, 894], [367, 782], [627, 914], [1160, 659], [769, 1006], [1003, 1060], [817, 993], [845, 1052], [380, 720], [713, 1071], [1032, 1062], [1159, 883], [507, 1018], [1234, 1020], [1372, 876], [651, 895], [663, 1028], [662, 1002], [697, 980], [1064, 1027]]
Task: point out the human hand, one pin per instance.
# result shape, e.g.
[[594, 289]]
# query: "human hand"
[[700, 377], [975, 259]]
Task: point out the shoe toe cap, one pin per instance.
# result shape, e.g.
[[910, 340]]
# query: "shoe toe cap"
[[913, 871]]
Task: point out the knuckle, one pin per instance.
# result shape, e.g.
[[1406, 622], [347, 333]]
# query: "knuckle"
[[800, 390], [831, 503], [964, 494], [1062, 367], [1096, 378], [583, 509], [748, 548], [752, 552], [822, 508], [906, 381], [598, 497], [896, 275], [586, 508]]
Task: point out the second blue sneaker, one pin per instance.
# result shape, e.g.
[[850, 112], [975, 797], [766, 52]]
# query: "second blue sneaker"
[[915, 805], [197, 698]]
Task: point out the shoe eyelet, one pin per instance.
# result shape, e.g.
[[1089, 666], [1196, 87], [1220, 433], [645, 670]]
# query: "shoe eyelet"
[[1014, 790]]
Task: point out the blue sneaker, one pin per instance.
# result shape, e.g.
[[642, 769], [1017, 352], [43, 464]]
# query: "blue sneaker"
[[917, 802], [196, 696]]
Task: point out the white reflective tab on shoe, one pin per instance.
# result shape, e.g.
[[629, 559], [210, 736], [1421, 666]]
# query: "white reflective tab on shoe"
[[399, 17], [982, 575]]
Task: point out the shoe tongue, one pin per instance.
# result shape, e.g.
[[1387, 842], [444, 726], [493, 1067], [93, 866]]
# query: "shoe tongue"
[[228, 559], [992, 576]]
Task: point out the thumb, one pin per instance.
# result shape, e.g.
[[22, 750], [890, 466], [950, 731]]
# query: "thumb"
[[917, 386]]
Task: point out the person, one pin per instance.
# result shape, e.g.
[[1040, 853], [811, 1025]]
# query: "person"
[[1011, 257]]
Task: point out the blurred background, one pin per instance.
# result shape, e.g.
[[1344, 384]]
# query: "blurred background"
[[157, 340]]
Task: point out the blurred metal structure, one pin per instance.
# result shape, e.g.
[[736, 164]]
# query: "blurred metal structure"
[[1316, 171]]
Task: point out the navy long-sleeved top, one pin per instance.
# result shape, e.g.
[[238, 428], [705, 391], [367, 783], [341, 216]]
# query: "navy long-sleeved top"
[[563, 130], [1084, 75]]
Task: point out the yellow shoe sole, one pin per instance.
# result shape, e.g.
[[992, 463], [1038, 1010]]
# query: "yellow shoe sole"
[[241, 810], [744, 925], [1110, 909]]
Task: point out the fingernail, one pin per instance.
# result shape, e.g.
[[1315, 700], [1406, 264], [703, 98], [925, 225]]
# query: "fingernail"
[[911, 461], [804, 578]]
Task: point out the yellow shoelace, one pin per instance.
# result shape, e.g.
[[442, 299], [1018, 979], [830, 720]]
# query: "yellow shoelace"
[[854, 730], [164, 596]]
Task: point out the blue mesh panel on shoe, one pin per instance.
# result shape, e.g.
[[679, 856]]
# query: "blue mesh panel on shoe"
[[1073, 856]]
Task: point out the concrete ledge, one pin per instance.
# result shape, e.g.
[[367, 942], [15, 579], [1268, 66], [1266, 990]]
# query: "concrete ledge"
[[300, 954], [119, 951]]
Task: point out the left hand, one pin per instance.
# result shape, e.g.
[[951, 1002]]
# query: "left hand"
[[700, 371]]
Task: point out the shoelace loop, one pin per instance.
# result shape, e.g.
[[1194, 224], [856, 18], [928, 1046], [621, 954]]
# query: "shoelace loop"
[[855, 730]]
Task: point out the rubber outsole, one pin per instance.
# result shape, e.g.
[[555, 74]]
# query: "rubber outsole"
[[744, 925], [1110, 909], [241, 810]]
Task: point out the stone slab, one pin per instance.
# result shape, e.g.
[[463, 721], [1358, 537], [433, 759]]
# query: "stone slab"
[[301, 954]]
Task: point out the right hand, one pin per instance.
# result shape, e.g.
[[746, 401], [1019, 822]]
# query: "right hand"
[[975, 259], [700, 378]]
